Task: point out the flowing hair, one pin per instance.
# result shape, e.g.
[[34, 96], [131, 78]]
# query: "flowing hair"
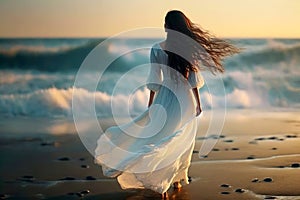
[[199, 45]]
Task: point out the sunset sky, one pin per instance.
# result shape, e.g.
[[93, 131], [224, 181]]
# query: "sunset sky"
[[101, 18]]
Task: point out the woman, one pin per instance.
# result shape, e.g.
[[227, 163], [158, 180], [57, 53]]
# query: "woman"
[[154, 150]]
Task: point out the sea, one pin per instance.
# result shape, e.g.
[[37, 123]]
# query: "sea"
[[37, 76]]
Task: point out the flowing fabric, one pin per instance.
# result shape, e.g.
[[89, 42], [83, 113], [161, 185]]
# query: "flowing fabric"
[[154, 150]]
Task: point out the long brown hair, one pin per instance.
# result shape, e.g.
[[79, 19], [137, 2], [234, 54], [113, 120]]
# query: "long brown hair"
[[210, 50]]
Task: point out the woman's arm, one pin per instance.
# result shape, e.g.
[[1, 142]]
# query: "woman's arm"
[[152, 93], [196, 95]]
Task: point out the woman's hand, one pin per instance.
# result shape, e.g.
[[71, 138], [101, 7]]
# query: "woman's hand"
[[198, 110]]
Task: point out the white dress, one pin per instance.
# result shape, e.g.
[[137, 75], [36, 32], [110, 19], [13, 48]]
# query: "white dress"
[[154, 150]]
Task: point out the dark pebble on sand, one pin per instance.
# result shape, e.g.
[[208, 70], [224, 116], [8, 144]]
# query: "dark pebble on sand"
[[28, 177], [203, 156], [215, 149], [270, 197], [195, 151], [4, 196], [239, 190], [268, 179], [90, 178], [229, 141], [79, 194], [84, 192], [261, 138], [85, 166], [274, 148], [225, 185], [273, 138], [291, 136], [190, 179], [280, 166], [295, 165], [63, 159], [235, 149], [255, 180], [68, 178], [250, 157], [225, 192], [47, 143], [280, 139]]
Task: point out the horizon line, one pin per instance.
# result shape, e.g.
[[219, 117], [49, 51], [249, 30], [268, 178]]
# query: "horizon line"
[[137, 37]]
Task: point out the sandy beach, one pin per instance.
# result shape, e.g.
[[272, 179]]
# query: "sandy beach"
[[256, 157]]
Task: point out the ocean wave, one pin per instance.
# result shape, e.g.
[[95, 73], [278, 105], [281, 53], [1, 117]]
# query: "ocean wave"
[[69, 58], [66, 57], [53, 102], [21, 82], [60, 60], [267, 56], [274, 54]]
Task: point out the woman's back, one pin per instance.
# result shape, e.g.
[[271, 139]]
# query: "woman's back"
[[162, 73]]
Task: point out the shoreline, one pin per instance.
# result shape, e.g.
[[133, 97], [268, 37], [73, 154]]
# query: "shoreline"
[[25, 125]]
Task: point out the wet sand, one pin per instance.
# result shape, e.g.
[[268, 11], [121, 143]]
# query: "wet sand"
[[257, 157]]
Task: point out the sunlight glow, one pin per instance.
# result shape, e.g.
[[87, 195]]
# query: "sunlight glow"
[[79, 18]]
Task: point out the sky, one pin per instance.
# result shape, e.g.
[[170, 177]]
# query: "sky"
[[104, 18]]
